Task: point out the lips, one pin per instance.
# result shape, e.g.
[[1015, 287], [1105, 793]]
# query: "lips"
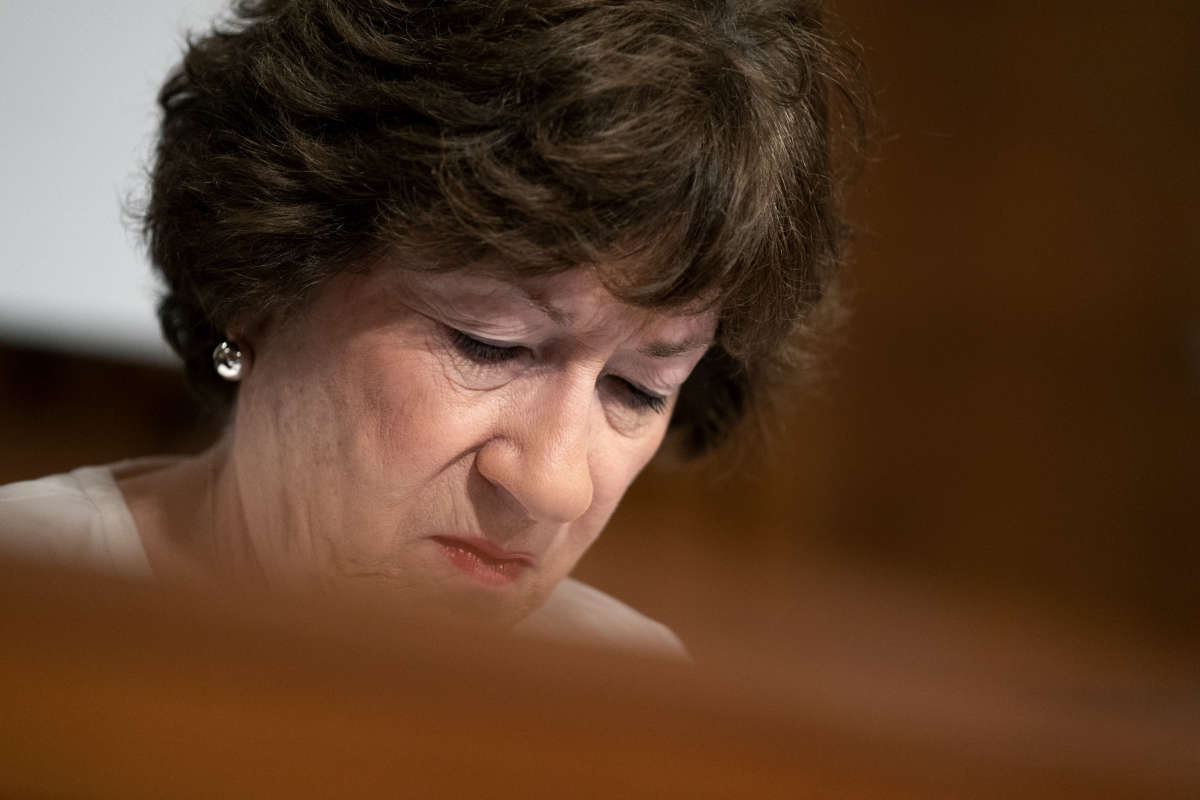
[[483, 561]]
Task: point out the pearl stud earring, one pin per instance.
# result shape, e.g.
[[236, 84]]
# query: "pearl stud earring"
[[229, 361]]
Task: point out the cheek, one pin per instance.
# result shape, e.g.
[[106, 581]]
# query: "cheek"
[[396, 407], [616, 462], [613, 471], [412, 416]]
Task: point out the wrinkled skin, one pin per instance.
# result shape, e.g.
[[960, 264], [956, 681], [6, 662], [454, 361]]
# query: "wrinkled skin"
[[391, 409]]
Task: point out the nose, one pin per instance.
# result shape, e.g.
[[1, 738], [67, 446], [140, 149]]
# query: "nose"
[[540, 455]]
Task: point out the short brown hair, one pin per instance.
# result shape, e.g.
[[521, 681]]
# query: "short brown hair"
[[692, 138]]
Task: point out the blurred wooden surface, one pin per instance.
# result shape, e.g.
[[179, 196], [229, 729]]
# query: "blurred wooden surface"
[[113, 690]]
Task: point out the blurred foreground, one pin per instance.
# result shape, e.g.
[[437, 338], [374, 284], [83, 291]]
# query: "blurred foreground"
[[116, 690]]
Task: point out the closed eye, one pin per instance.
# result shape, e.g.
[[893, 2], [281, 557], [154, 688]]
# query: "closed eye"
[[485, 353], [639, 399], [481, 352]]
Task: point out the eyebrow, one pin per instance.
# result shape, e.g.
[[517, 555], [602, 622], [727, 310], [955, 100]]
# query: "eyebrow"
[[672, 349]]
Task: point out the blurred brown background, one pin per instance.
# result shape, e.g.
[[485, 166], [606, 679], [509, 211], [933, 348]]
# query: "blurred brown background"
[[1009, 434]]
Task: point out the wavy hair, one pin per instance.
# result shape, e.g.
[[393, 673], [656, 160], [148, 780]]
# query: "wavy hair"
[[694, 143]]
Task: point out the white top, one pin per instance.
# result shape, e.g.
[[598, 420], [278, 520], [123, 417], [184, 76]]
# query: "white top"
[[80, 519]]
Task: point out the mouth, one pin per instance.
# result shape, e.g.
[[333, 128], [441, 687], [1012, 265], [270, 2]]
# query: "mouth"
[[483, 561]]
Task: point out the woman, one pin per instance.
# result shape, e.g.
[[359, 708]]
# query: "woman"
[[454, 270]]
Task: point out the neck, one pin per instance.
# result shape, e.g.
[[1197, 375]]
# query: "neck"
[[189, 516]]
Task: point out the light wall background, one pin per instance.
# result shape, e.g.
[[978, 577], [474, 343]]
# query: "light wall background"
[[77, 88]]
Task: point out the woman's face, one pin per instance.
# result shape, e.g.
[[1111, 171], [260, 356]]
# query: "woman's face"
[[455, 437]]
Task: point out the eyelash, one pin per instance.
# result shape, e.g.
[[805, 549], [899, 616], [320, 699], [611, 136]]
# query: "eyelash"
[[481, 352], [489, 354]]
